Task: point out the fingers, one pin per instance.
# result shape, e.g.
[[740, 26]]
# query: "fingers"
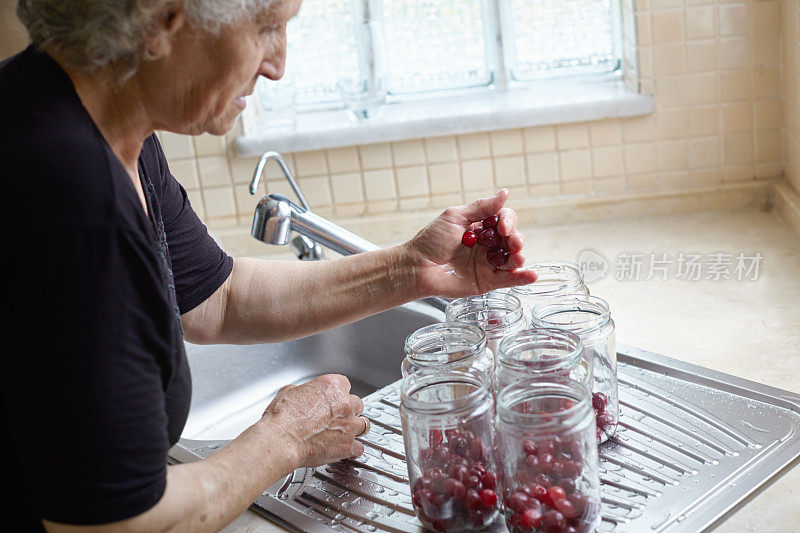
[[515, 242], [356, 405], [483, 207], [512, 278], [508, 221], [337, 380]]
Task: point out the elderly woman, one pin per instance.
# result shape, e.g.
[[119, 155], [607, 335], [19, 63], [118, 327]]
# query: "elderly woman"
[[110, 273]]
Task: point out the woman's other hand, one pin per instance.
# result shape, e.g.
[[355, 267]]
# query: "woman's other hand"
[[445, 267], [320, 419]]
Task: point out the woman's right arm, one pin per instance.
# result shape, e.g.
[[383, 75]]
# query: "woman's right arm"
[[306, 425]]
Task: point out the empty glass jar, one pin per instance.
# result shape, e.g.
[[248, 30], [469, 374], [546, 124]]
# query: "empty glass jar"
[[448, 346], [555, 278], [547, 446], [449, 439], [542, 353], [497, 314], [590, 318]]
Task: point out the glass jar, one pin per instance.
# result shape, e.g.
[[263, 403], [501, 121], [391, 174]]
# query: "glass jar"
[[449, 439], [555, 278], [497, 314], [448, 346], [547, 446], [590, 318], [541, 352]]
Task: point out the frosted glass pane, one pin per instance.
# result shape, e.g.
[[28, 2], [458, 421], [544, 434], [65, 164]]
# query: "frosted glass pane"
[[434, 44], [550, 37], [320, 41]]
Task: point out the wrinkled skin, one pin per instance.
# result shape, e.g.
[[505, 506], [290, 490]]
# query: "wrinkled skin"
[[320, 418]]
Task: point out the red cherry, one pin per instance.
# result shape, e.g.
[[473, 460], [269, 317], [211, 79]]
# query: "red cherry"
[[472, 500], [599, 402], [488, 497], [489, 480], [572, 469], [553, 522], [497, 256], [459, 472], [565, 507], [454, 488], [568, 485], [547, 446], [532, 463], [489, 238], [554, 494], [530, 518], [476, 449], [469, 239], [529, 447], [578, 502], [605, 421], [422, 483], [458, 445], [518, 502], [539, 492], [474, 482], [442, 524], [491, 221], [441, 454]]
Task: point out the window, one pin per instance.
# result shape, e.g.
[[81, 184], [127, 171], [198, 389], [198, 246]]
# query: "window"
[[439, 47]]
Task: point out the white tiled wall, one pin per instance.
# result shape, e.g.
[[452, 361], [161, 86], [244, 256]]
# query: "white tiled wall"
[[714, 66]]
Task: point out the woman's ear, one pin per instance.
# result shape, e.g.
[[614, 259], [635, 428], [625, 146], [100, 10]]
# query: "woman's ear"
[[166, 25]]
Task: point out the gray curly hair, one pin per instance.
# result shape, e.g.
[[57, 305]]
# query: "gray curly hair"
[[93, 34]]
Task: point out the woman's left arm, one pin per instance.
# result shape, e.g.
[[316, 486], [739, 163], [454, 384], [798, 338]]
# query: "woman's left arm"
[[270, 301]]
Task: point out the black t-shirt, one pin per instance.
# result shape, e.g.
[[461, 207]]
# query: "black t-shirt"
[[94, 377]]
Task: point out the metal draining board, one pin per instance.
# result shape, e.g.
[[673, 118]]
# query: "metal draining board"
[[691, 445]]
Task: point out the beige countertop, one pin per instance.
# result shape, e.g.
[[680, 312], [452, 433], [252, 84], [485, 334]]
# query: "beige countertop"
[[745, 328]]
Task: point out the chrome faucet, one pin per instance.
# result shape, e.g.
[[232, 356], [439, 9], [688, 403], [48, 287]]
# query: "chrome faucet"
[[304, 248], [276, 217]]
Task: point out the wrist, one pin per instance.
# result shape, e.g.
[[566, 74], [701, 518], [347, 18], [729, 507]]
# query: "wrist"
[[408, 265], [288, 449]]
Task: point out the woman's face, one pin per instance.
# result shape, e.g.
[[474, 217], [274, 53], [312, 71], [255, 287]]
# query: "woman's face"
[[199, 87]]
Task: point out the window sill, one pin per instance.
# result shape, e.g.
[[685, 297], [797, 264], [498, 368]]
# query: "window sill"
[[465, 114]]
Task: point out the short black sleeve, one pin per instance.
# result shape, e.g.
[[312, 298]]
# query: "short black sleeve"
[[199, 265]]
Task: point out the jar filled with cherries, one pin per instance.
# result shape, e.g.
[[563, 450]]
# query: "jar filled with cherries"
[[548, 449], [589, 317], [448, 346], [541, 353], [449, 439], [497, 314], [556, 278]]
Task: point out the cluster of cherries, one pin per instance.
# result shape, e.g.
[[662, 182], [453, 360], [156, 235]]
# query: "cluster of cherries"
[[487, 235], [603, 418], [546, 498], [456, 491]]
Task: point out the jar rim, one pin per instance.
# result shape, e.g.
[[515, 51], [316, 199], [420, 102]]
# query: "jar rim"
[[533, 339], [536, 388], [551, 278], [459, 309], [594, 311], [472, 337], [418, 381]]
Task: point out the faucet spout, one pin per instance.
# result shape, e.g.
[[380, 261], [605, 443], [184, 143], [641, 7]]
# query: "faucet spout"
[[276, 216]]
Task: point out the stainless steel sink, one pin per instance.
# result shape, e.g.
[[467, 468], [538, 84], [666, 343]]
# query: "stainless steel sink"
[[692, 444], [231, 385]]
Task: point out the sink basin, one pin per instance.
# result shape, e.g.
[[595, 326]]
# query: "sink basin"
[[232, 385]]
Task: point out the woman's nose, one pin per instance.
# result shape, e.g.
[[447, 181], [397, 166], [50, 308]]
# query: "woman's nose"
[[274, 62]]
